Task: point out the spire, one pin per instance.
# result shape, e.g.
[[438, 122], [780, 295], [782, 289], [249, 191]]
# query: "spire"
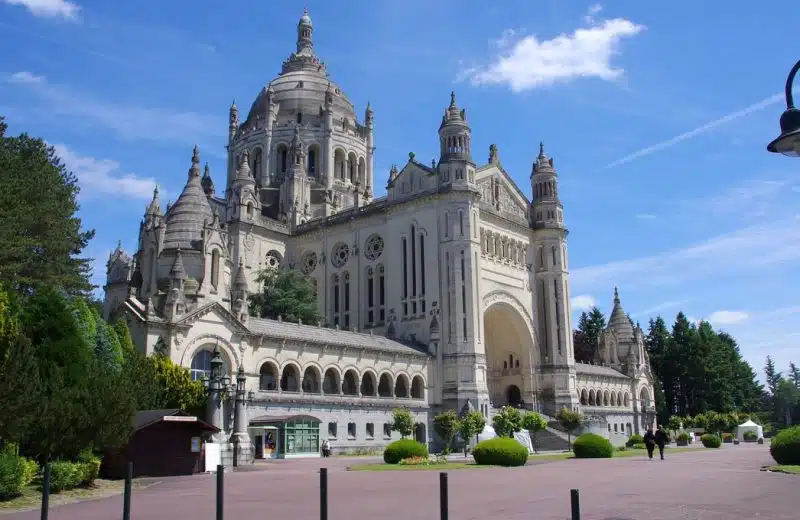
[[186, 218], [304, 31], [243, 173], [616, 295], [240, 282], [177, 272], [207, 182], [154, 208], [619, 322], [452, 99], [194, 171]]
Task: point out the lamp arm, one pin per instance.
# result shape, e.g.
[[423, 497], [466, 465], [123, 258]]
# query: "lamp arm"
[[789, 84]]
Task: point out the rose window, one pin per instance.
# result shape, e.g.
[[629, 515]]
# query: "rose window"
[[273, 260], [339, 254], [309, 262], [374, 247]]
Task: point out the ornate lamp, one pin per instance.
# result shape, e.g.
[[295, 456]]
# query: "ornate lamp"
[[788, 143]]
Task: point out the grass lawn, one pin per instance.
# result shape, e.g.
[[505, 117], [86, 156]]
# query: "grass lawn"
[[793, 470], [468, 463], [31, 497]]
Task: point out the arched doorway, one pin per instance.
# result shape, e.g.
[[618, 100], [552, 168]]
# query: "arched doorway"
[[420, 434], [509, 347], [513, 395]]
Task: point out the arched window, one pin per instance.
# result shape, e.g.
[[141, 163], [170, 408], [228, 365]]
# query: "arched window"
[[215, 268], [283, 158], [201, 365], [268, 377], [312, 161], [258, 160], [299, 118]]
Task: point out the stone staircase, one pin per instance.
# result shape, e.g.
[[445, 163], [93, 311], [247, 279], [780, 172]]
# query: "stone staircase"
[[554, 438]]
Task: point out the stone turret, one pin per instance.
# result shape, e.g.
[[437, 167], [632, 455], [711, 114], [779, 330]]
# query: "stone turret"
[[186, 219], [455, 162], [207, 182], [239, 293], [175, 304]]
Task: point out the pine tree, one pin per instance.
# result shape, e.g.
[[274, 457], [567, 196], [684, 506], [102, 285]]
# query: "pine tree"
[[287, 294], [773, 377], [41, 239], [587, 335], [657, 345], [794, 375]]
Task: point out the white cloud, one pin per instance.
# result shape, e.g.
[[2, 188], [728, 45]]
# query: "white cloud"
[[663, 145], [50, 8], [744, 251], [645, 216], [103, 176], [527, 63], [720, 318], [590, 15], [656, 309], [582, 302], [25, 78], [129, 122]]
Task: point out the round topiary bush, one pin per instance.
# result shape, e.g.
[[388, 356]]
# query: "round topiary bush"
[[404, 449], [785, 446], [592, 446], [710, 440], [500, 451], [633, 440], [750, 436]]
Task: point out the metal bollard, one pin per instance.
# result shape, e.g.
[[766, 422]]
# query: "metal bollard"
[[126, 497], [220, 491], [46, 491], [323, 493], [576, 504], [443, 510]]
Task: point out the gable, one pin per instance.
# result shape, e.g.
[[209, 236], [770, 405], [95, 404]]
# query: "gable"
[[500, 193], [412, 180], [214, 314]]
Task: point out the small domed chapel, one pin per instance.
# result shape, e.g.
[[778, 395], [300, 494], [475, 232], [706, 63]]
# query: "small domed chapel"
[[449, 292]]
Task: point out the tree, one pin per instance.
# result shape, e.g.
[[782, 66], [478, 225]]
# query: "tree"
[[446, 427], [507, 422], [534, 422], [162, 384], [772, 376], [470, 425], [570, 421], [586, 337], [41, 239], [402, 422], [19, 375], [124, 336], [794, 375], [674, 423], [786, 399], [287, 294], [79, 403]]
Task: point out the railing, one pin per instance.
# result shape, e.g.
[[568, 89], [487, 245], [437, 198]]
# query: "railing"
[[444, 504]]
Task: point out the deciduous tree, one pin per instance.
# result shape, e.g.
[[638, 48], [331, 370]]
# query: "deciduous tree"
[[287, 294]]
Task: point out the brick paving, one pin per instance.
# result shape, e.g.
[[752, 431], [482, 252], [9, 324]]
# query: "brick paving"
[[723, 484]]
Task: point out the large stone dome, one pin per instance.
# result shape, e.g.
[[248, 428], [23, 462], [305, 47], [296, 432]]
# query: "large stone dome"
[[302, 84]]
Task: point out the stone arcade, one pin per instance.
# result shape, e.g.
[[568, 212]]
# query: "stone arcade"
[[450, 292]]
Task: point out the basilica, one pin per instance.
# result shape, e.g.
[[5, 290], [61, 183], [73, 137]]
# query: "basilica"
[[449, 292]]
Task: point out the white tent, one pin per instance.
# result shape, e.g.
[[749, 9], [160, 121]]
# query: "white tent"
[[749, 426]]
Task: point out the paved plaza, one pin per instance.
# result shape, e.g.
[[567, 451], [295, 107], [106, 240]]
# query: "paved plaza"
[[723, 484]]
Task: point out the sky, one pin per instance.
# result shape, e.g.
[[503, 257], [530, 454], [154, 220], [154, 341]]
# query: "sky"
[[657, 115]]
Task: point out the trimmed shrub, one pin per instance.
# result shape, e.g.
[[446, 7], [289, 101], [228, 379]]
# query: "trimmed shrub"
[[15, 474], [728, 437], [634, 440], [500, 451], [639, 446], [404, 449], [682, 439], [592, 446], [710, 440], [760, 440], [750, 436], [785, 446]]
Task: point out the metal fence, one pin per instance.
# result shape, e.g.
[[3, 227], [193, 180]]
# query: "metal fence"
[[444, 511]]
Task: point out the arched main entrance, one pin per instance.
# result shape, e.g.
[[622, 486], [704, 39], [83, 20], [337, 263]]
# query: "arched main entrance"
[[509, 347]]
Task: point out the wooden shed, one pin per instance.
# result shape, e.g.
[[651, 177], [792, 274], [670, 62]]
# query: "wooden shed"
[[164, 443]]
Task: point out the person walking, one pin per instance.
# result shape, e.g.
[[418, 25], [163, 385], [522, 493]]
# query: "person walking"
[[650, 442], [660, 439]]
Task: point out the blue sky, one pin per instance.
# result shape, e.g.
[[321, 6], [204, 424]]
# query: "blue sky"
[[657, 116]]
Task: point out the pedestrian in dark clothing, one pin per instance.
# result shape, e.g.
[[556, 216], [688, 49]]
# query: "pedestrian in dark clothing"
[[650, 442], [660, 438]]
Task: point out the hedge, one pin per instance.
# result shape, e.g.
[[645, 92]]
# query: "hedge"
[[500, 451], [404, 449], [710, 440], [592, 446], [69, 475], [15, 474], [633, 440], [785, 446]]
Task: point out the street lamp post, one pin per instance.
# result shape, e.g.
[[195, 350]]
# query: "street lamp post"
[[788, 143], [243, 451]]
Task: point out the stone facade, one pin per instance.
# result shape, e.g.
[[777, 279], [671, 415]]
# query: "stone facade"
[[450, 292]]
